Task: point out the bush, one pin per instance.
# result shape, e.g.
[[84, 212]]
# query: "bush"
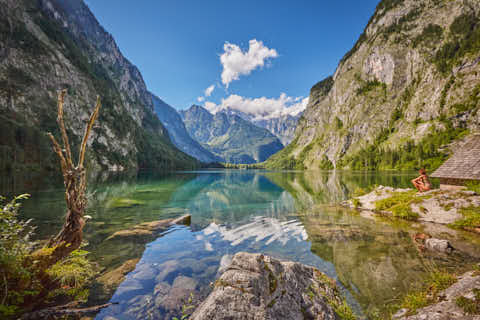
[[27, 285]]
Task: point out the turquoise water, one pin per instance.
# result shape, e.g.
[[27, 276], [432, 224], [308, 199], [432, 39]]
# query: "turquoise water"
[[289, 215]]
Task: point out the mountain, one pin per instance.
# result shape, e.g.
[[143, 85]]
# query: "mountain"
[[229, 136], [408, 88], [173, 122], [48, 45], [282, 125]]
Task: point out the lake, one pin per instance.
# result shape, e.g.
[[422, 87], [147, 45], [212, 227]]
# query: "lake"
[[288, 215]]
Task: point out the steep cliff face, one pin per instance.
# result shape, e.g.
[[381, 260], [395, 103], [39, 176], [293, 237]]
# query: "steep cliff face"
[[410, 84], [230, 137], [48, 45], [173, 122]]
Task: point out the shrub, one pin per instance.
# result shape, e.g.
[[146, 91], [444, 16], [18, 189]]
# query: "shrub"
[[27, 284]]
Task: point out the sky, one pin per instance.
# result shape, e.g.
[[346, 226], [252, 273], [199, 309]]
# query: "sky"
[[261, 57]]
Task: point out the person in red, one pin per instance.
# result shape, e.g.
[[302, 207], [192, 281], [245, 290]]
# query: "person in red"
[[422, 183]]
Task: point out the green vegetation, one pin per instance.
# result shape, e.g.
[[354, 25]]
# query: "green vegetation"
[[428, 153], [338, 123], [371, 85], [464, 41], [471, 218], [124, 203], [403, 24], [343, 310], [431, 35], [470, 306], [473, 186], [428, 293], [323, 87], [399, 204], [26, 285]]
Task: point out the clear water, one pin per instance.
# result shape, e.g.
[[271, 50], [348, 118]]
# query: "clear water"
[[289, 215]]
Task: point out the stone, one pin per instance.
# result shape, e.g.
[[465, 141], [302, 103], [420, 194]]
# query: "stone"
[[438, 245], [165, 269], [113, 278], [161, 288], [127, 286], [447, 309], [146, 229], [259, 287], [145, 272], [185, 283]]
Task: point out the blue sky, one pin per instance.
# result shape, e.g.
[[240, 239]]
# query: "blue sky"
[[177, 45]]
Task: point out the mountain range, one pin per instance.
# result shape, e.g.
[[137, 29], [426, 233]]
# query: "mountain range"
[[230, 137]]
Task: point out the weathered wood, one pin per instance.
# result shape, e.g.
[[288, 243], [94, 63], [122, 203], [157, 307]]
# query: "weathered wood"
[[66, 310], [74, 177]]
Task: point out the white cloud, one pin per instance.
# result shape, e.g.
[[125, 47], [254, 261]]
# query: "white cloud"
[[261, 108], [201, 99], [209, 90], [236, 62]]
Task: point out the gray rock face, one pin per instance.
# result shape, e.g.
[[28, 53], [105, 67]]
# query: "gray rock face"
[[260, 287], [394, 67], [447, 308], [173, 122]]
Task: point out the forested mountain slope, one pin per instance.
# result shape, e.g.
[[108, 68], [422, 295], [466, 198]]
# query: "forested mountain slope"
[[408, 88], [48, 45]]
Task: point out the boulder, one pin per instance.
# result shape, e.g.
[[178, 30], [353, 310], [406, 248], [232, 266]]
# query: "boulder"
[[255, 286]]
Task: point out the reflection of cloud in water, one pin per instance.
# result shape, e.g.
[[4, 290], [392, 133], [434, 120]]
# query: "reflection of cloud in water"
[[200, 256], [261, 228]]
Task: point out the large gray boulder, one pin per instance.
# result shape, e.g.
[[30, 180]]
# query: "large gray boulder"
[[258, 287]]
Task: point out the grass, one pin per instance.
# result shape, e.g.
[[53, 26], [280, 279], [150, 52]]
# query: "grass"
[[356, 202], [470, 306], [399, 204], [429, 292], [473, 186], [471, 218]]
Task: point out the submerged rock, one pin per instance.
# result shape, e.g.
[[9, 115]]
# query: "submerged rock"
[[450, 307], [146, 229], [438, 245], [113, 278], [255, 286]]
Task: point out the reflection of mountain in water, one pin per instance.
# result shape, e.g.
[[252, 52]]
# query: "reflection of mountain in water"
[[232, 197]]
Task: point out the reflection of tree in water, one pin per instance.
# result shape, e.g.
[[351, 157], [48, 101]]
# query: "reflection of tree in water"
[[327, 187]]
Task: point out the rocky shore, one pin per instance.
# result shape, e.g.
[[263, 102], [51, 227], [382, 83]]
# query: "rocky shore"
[[435, 206]]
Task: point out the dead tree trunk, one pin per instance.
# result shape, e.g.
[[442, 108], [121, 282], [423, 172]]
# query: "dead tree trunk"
[[74, 177]]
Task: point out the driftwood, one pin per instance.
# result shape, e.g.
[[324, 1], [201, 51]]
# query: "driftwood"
[[74, 177], [66, 310]]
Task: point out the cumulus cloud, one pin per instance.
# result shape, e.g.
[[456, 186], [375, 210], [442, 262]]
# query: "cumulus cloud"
[[201, 99], [261, 108], [236, 62], [209, 90]]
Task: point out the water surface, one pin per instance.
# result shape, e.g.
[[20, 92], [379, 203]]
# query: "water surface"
[[289, 215]]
